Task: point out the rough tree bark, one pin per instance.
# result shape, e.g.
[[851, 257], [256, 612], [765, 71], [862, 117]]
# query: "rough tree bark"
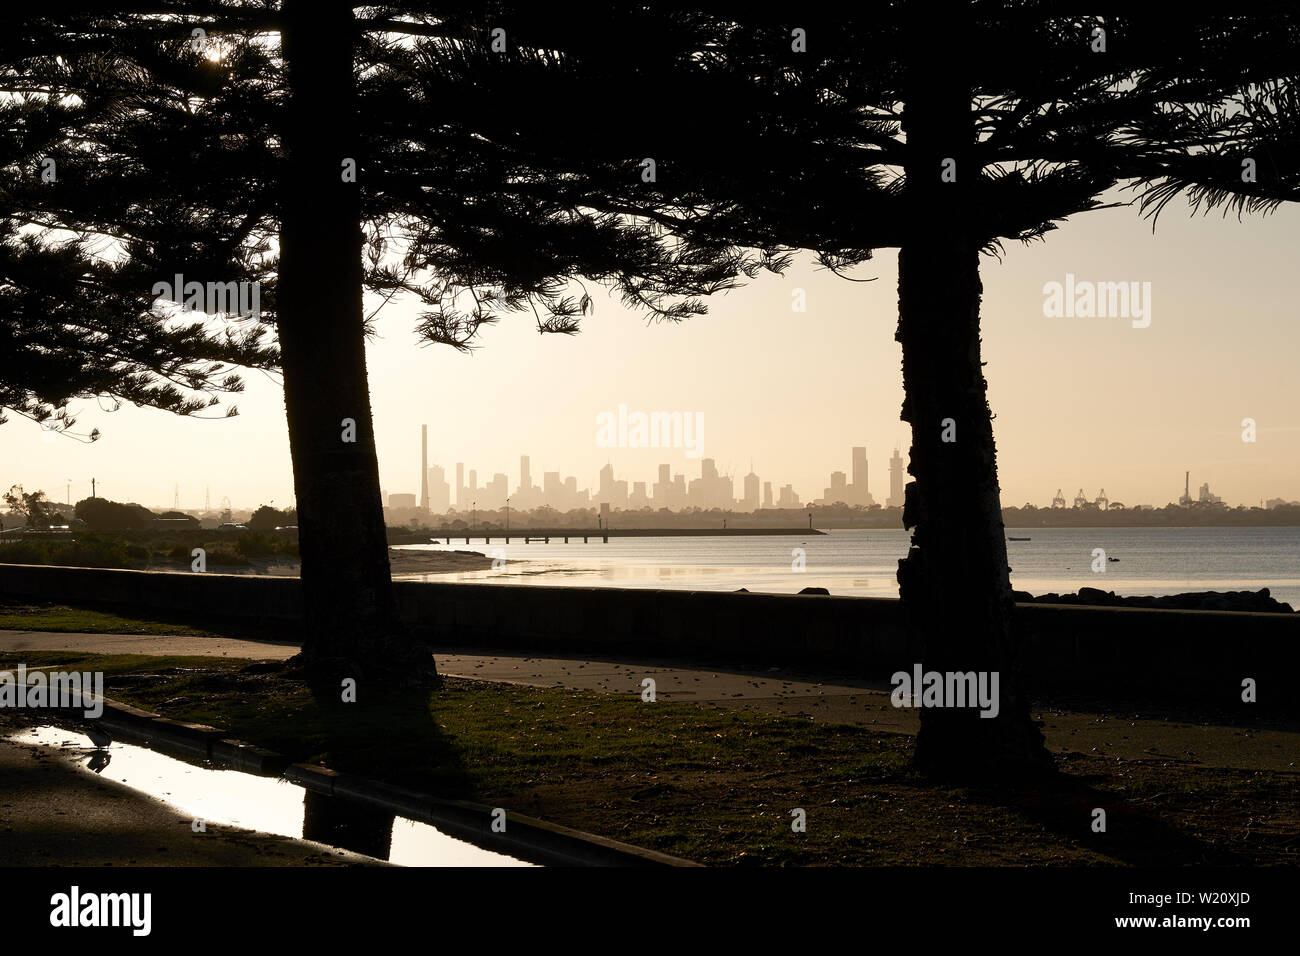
[[954, 581], [351, 613]]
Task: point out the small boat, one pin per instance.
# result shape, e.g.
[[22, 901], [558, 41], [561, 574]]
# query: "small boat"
[[1020, 539]]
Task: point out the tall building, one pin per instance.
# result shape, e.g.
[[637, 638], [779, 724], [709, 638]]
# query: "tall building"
[[638, 498], [767, 494], [896, 481], [460, 486], [495, 492], [524, 494], [605, 490], [439, 497], [424, 467], [661, 493], [843, 491], [859, 493], [838, 492], [710, 490], [750, 501], [553, 492]]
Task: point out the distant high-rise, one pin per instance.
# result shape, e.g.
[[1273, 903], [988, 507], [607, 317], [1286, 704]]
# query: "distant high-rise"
[[605, 490], [424, 467], [525, 492], [767, 494], [439, 490], [495, 492], [662, 491], [750, 502], [460, 486], [638, 498], [896, 481], [859, 492], [838, 492]]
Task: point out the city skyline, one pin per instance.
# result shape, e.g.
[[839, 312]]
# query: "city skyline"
[[675, 491]]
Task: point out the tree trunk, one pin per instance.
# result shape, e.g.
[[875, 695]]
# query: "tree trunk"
[[954, 581], [350, 610]]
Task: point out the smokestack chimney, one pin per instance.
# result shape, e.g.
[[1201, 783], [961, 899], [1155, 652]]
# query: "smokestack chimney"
[[1187, 484], [424, 467]]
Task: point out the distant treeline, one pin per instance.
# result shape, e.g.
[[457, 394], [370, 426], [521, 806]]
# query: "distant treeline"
[[37, 512]]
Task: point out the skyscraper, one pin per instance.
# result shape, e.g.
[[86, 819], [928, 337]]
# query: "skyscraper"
[[859, 493], [439, 490], [896, 481], [606, 490], [750, 502], [460, 486], [524, 495]]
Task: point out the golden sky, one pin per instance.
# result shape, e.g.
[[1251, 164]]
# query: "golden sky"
[[1080, 402]]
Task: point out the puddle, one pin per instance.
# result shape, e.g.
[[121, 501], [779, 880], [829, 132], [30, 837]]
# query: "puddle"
[[268, 804]]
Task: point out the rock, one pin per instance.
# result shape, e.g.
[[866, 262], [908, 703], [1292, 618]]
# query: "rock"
[[1257, 601], [815, 591]]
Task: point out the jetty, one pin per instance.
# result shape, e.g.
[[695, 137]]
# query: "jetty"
[[544, 535]]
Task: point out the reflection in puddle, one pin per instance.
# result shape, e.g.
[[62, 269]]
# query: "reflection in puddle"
[[268, 804]]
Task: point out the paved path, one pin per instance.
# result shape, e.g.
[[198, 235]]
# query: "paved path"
[[839, 700]]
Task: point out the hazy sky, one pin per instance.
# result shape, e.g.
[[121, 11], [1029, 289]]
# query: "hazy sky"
[[1080, 402]]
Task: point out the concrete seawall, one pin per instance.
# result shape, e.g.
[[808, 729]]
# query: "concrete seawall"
[[1138, 653]]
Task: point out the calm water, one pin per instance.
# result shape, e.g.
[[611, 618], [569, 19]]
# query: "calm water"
[[864, 562]]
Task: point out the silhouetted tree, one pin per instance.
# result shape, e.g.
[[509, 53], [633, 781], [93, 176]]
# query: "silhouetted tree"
[[74, 324], [205, 159], [100, 514], [266, 518], [33, 507], [941, 129]]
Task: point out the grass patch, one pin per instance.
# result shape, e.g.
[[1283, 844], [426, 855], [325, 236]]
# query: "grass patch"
[[21, 614], [717, 785]]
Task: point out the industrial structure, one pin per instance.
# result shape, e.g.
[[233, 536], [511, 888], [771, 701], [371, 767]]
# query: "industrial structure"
[[424, 467]]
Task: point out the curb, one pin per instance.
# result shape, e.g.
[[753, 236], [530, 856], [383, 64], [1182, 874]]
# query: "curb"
[[525, 837]]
